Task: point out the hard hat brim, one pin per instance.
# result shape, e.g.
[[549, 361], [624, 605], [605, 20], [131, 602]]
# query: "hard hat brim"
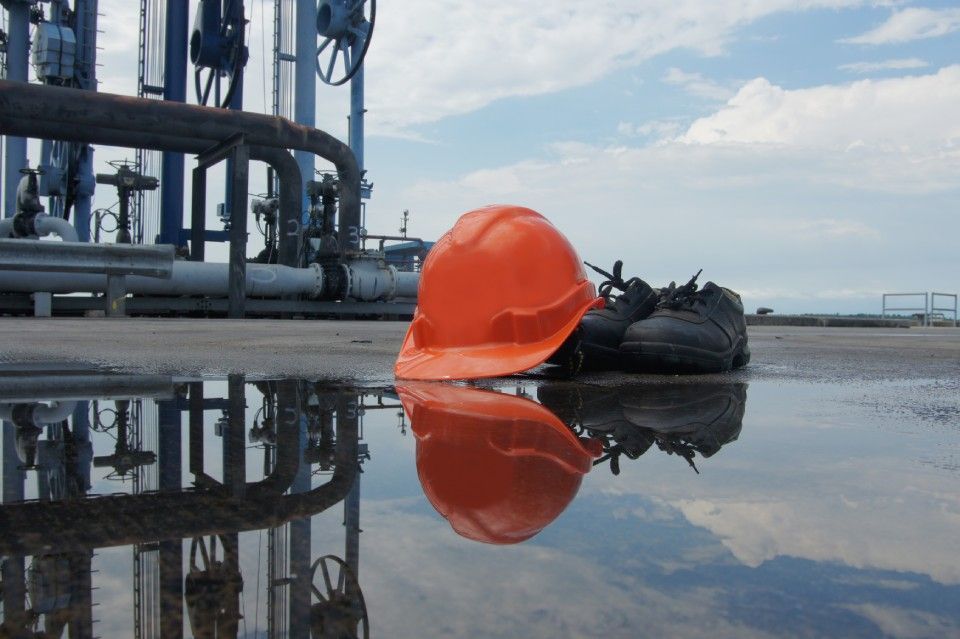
[[476, 362]]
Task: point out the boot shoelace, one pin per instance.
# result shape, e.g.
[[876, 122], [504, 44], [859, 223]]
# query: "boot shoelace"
[[675, 297], [614, 281]]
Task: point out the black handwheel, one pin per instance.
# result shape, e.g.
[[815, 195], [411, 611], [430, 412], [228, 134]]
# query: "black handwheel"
[[220, 56], [338, 609], [344, 24]]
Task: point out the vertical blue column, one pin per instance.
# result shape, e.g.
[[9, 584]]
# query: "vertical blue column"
[[300, 532], [175, 90], [305, 86], [86, 33], [356, 109], [18, 45]]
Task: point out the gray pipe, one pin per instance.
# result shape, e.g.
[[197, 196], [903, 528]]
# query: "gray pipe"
[[188, 278], [407, 284], [42, 413], [44, 225], [42, 105], [371, 280], [288, 172], [47, 224]]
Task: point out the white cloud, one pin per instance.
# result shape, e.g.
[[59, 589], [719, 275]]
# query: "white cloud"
[[885, 65], [697, 85], [845, 180], [431, 60], [912, 114], [913, 23]]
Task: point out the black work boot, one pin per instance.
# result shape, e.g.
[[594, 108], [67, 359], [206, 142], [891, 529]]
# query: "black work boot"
[[691, 331], [595, 344]]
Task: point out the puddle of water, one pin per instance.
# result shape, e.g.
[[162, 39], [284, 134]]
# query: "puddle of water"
[[160, 506]]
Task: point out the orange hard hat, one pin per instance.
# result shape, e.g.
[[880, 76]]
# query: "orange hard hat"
[[498, 467], [499, 293]]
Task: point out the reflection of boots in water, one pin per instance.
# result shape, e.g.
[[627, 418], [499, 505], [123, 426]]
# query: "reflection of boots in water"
[[704, 416], [682, 419], [598, 413]]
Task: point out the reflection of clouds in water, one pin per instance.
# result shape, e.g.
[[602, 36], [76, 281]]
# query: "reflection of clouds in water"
[[420, 579], [114, 594], [907, 624], [914, 533], [852, 492]]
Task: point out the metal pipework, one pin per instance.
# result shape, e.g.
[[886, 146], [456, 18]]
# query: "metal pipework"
[[364, 281], [370, 280], [41, 225], [288, 172], [186, 278], [38, 414], [36, 107]]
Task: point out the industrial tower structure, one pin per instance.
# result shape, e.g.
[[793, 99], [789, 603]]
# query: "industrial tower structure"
[[312, 224]]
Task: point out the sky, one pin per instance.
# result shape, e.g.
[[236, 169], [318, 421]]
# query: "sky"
[[805, 153]]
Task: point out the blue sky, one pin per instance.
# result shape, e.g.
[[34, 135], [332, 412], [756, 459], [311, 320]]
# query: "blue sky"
[[803, 152]]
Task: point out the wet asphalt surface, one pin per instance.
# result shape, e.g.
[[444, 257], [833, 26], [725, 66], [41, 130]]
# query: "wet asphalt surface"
[[365, 351], [913, 370]]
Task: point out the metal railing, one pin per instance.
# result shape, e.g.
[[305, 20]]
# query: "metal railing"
[[116, 261], [934, 309], [925, 313]]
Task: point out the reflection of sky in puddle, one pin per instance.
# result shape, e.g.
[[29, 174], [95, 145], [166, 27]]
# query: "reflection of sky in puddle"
[[821, 519]]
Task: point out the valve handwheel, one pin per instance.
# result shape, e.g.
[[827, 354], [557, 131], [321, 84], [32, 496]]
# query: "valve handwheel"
[[346, 26], [218, 50], [338, 609]]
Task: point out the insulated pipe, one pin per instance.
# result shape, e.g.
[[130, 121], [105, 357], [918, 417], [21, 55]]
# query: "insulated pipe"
[[188, 278], [42, 105], [44, 225], [287, 170]]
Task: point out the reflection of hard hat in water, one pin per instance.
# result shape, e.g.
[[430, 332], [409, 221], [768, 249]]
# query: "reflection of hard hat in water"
[[498, 467], [499, 293]]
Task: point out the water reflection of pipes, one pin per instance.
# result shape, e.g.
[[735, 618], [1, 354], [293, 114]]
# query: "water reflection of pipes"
[[349, 413]]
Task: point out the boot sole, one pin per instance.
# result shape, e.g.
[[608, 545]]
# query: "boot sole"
[[600, 358], [663, 357]]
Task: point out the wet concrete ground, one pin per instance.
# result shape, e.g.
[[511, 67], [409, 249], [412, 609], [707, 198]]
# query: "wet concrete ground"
[[830, 511], [365, 351]]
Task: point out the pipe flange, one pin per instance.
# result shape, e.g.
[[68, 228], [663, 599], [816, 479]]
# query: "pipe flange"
[[317, 280]]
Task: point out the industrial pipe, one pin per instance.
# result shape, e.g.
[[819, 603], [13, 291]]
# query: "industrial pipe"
[[370, 280], [188, 278], [42, 105], [43, 225], [286, 168], [41, 413]]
